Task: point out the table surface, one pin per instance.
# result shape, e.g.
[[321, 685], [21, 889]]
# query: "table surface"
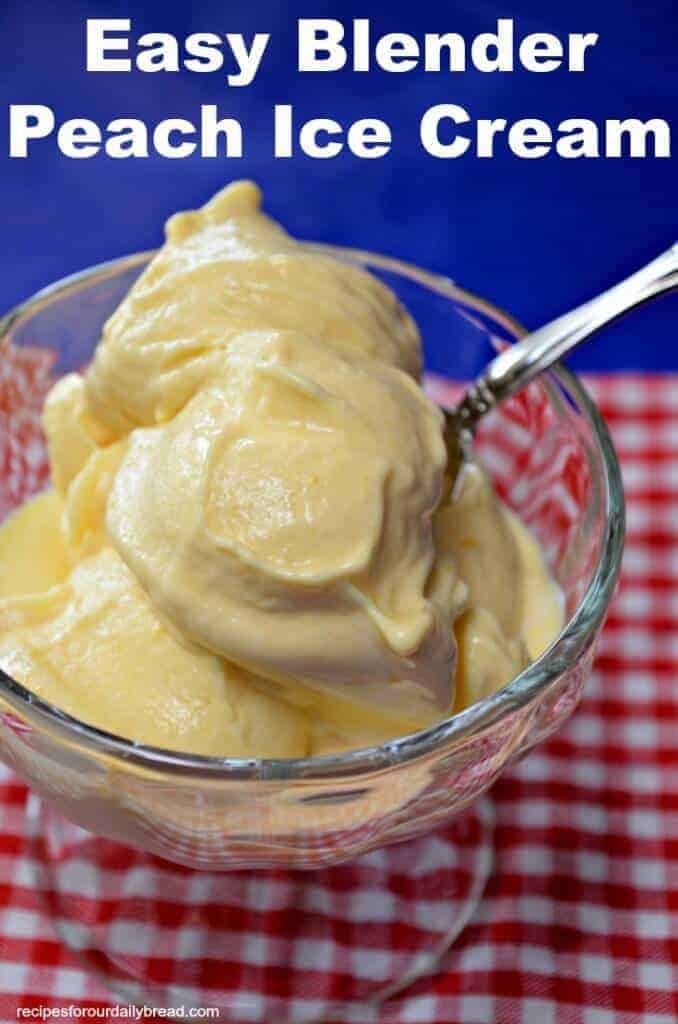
[[579, 922]]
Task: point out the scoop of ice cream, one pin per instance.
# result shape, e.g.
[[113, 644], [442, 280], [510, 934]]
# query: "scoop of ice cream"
[[476, 533], [95, 646], [495, 556], [246, 552], [86, 500], [223, 270], [71, 435], [40, 610], [283, 520], [88, 640], [33, 555]]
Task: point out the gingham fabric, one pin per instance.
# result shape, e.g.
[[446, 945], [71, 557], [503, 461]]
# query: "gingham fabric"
[[579, 921]]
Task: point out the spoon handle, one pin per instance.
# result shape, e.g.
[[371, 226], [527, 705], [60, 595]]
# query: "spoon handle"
[[517, 365]]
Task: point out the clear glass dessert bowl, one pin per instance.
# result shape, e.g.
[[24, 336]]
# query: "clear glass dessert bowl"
[[552, 461]]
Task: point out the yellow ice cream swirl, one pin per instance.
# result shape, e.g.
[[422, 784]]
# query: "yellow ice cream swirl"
[[249, 550]]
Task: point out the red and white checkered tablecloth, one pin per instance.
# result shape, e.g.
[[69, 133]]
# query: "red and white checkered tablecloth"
[[579, 922]]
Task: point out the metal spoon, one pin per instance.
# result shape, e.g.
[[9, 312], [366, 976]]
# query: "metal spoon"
[[517, 365]]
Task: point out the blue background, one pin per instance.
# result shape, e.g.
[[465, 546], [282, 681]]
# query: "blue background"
[[535, 236]]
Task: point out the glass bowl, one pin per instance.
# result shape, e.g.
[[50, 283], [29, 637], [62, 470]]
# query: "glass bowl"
[[552, 461]]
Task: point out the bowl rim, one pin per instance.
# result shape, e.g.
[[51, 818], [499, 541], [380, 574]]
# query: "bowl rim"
[[574, 638]]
